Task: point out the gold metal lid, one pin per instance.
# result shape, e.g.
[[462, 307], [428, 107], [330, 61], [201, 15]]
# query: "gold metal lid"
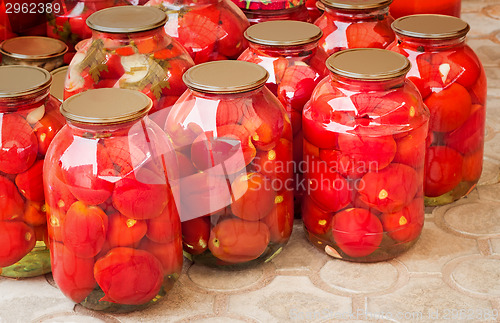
[[283, 33], [58, 78], [225, 77], [19, 80], [356, 4], [368, 64], [431, 26], [106, 106], [33, 47], [127, 19]]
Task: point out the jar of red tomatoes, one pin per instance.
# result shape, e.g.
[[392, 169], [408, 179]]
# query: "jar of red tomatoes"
[[234, 149], [355, 24], [113, 225], [364, 144], [130, 49], [44, 52], [452, 82], [209, 29], [260, 11], [288, 51], [400, 8], [29, 120]]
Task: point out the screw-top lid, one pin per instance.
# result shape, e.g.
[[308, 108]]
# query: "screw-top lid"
[[368, 64], [20, 80], [283, 33], [33, 47], [431, 27], [356, 4], [106, 106], [58, 78], [127, 19], [225, 77]]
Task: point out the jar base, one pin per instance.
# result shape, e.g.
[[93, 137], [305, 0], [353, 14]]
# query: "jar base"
[[35, 263], [461, 190]]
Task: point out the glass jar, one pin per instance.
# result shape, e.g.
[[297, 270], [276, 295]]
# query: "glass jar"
[[260, 11], [44, 52], [364, 144], [209, 29], [452, 82], [355, 24], [233, 143], [401, 8], [130, 49], [58, 78], [113, 225], [288, 51], [29, 120]]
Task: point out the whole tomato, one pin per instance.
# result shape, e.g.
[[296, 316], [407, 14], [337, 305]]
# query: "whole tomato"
[[11, 202], [405, 225], [16, 240], [30, 183], [123, 231], [253, 196], [169, 254], [195, 235], [443, 170], [280, 219], [316, 220], [165, 227]]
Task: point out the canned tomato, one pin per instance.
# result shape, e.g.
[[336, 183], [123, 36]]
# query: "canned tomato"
[[260, 11], [401, 8]]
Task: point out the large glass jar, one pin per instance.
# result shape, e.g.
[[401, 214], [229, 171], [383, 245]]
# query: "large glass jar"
[[260, 11], [355, 24], [452, 82], [130, 49], [233, 143], [288, 51], [113, 225], [209, 29], [364, 145], [44, 52], [29, 120], [400, 8]]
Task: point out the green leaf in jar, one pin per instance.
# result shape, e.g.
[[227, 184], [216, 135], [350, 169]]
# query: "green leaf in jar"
[[95, 60]]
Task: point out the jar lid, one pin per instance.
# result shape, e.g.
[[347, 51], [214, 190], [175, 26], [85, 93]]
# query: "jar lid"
[[283, 33], [356, 4], [127, 19], [18, 80], [369, 64], [33, 47], [431, 26], [106, 106], [225, 77], [58, 78]]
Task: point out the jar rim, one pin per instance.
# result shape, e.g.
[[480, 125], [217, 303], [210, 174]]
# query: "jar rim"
[[431, 26], [58, 78], [225, 77], [369, 64], [283, 33], [106, 106], [21, 80], [33, 47], [356, 4], [127, 19]]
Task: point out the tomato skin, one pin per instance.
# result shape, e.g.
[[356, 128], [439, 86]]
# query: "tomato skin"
[[357, 232], [275, 163], [411, 148], [329, 190], [235, 240], [296, 86], [469, 137], [30, 183], [16, 240], [169, 254], [73, 275], [280, 220], [46, 129], [316, 220], [472, 166], [128, 276], [123, 231], [165, 227], [195, 235], [405, 225], [253, 196], [84, 229], [11, 202], [443, 170], [34, 214]]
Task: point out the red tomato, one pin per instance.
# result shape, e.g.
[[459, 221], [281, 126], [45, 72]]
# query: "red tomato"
[[369, 34], [275, 163], [60, 197], [169, 254], [253, 196], [165, 227], [328, 189], [142, 195], [443, 170], [405, 225], [449, 108], [34, 214], [469, 136], [316, 220], [231, 111], [176, 69], [389, 189], [128, 276], [30, 183], [198, 30], [123, 231], [55, 224], [468, 67], [84, 229], [472, 166], [310, 150], [296, 86], [357, 232], [18, 145], [280, 219], [230, 40], [411, 148], [236, 241], [16, 240], [73, 275], [11, 202], [45, 130], [195, 235]]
